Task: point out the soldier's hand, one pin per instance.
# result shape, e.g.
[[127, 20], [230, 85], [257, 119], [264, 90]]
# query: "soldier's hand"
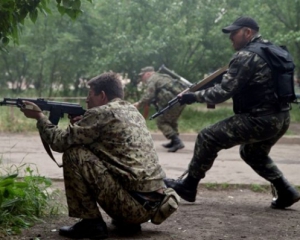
[[74, 119], [31, 110], [187, 98]]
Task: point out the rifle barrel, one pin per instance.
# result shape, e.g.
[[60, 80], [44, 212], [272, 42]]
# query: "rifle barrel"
[[174, 75]]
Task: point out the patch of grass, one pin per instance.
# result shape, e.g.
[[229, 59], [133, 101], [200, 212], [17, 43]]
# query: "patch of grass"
[[259, 188], [13, 120], [218, 186], [24, 201], [227, 186], [295, 113], [195, 117]]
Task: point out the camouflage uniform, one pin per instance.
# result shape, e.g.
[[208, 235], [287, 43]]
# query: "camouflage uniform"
[[161, 88], [107, 154], [258, 123]]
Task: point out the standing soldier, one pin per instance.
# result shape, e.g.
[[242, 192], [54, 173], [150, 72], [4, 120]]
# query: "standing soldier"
[[161, 88]]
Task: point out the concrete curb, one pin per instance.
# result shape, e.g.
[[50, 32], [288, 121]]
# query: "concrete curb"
[[191, 137]]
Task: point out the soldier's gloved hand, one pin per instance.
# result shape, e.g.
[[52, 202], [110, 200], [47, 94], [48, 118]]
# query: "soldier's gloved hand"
[[187, 98]]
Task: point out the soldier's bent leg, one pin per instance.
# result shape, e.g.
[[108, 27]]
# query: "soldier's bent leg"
[[169, 128], [81, 200], [168, 122], [89, 182], [256, 155], [225, 134], [205, 152], [166, 127]]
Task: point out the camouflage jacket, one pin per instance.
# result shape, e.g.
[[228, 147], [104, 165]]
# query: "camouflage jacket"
[[248, 82], [117, 134], [161, 88]]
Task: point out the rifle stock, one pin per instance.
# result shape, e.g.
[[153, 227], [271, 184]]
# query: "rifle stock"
[[203, 84]]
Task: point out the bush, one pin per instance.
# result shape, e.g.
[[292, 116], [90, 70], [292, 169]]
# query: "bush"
[[23, 201]]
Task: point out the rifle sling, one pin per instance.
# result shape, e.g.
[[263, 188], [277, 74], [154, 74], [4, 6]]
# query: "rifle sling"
[[48, 150]]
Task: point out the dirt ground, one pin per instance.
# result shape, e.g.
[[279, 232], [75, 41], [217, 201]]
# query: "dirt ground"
[[231, 213], [227, 213]]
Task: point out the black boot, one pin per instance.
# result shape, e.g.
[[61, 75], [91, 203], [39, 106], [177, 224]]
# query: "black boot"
[[168, 145], [86, 228], [287, 195], [177, 144], [185, 188]]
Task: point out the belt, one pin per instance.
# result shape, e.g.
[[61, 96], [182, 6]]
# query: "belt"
[[265, 113], [150, 200]]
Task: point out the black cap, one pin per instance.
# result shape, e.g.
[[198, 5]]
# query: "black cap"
[[241, 22]]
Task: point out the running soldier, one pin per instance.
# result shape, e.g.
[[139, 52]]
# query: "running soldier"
[[161, 88], [260, 119]]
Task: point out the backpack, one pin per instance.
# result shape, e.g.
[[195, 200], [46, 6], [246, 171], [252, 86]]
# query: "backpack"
[[281, 63]]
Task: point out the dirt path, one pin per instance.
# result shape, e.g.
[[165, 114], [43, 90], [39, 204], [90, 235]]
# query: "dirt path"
[[233, 214]]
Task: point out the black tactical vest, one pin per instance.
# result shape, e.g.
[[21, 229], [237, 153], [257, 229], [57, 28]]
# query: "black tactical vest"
[[281, 63], [275, 94]]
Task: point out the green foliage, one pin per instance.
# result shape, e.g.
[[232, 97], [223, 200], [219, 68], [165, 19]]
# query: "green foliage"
[[23, 201], [13, 120], [295, 113], [13, 14], [196, 117], [259, 188], [228, 186], [55, 55], [218, 186], [124, 36]]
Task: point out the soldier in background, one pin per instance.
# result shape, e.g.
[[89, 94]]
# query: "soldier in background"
[[161, 88]]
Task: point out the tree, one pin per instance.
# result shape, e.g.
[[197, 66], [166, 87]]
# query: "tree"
[[13, 13], [126, 35], [50, 55]]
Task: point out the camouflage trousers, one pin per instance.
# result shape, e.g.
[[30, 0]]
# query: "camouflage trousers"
[[168, 122], [255, 135], [88, 184]]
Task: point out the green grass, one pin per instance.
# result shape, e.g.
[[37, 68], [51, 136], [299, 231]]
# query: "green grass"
[[227, 186], [13, 120], [218, 186], [25, 200], [196, 117]]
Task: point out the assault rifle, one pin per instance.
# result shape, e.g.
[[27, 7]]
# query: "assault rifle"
[[207, 82], [56, 109]]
